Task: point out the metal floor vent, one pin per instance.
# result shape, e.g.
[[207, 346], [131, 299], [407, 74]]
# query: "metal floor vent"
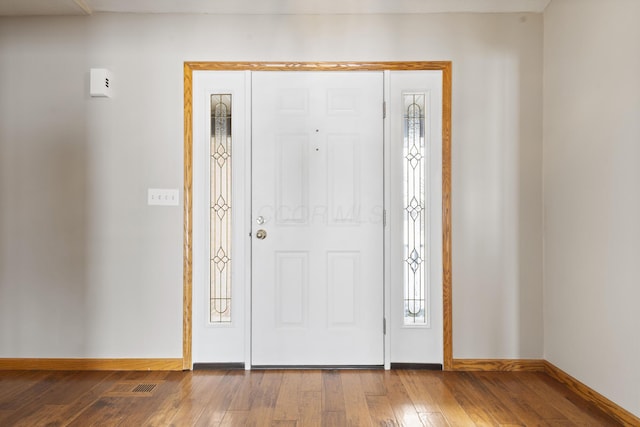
[[144, 388]]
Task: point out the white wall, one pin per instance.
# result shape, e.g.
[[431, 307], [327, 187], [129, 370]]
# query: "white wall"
[[592, 194], [87, 269]]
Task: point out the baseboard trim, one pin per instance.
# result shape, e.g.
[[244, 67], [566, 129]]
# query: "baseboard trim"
[[500, 365], [25, 364], [613, 410]]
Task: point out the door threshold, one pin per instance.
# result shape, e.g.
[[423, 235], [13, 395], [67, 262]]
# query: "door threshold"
[[217, 366], [427, 366], [316, 367]]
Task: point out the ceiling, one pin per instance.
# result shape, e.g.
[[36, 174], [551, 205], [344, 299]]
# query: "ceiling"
[[88, 7]]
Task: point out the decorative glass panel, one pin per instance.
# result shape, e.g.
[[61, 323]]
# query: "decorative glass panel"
[[414, 169], [220, 213]]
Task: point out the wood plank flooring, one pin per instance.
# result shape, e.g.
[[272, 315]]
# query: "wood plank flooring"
[[291, 398]]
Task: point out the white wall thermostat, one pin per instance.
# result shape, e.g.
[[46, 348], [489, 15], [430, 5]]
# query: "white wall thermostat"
[[100, 84]]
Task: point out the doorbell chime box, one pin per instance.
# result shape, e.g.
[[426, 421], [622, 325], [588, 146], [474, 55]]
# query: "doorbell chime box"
[[100, 84]]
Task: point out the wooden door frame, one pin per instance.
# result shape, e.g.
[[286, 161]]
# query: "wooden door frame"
[[190, 67]]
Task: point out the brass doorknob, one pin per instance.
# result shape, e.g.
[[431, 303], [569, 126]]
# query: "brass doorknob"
[[261, 234]]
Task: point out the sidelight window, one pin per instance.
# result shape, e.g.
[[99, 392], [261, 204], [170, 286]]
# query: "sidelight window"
[[220, 212], [414, 197]]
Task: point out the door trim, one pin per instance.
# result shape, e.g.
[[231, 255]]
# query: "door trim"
[[189, 67]]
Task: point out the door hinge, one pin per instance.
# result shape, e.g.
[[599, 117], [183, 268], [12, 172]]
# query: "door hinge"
[[384, 109], [384, 326], [384, 218]]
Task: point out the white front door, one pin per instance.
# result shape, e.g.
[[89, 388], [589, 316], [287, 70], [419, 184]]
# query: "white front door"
[[317, 218]]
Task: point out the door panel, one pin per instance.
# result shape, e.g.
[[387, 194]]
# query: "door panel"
[[292, 178], [317, 189], [344, 286], [291, 281], [343, 178]]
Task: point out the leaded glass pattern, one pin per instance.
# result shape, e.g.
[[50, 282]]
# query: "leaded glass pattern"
[[414, 238], [220, 212]]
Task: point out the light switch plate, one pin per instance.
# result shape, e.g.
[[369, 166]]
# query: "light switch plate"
[[163, 197]]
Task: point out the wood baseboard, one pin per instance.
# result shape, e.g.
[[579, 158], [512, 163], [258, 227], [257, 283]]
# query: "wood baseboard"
[[501, 365], [613, 410], [24, 364]]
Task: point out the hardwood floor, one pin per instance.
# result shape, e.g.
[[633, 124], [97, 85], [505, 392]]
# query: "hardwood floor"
[[291, 398]]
